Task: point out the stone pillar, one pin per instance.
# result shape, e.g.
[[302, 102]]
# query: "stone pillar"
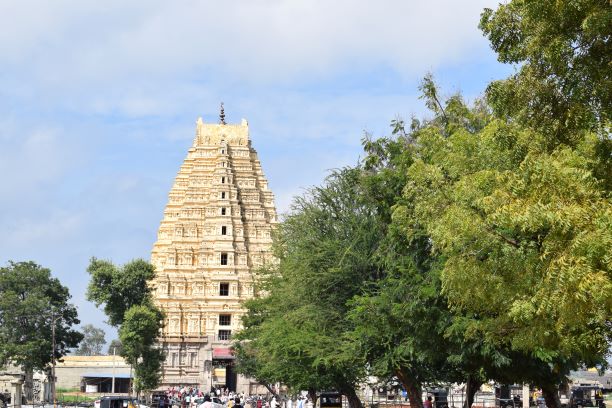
[[525, 395], [11, 380], [16, 393]]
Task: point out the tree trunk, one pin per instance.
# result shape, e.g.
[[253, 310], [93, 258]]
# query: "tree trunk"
[[353, 399], [413, 389], [28, 386], [270, 389], [471, 388], [312, 394], [550, 392]]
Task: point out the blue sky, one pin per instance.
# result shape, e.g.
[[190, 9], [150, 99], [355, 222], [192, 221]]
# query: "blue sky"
[[98, 102]]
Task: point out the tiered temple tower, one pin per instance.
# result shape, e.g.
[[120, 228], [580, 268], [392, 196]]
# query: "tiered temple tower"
[[214, 235]]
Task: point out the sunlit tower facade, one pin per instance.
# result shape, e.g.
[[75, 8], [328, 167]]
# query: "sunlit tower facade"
[[214, 235]]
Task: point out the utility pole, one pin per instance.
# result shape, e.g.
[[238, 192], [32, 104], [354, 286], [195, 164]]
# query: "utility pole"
[[113, 386], [54, 319]]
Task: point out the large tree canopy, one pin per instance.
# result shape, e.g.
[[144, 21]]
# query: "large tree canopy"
[[324, 250], [402, 322], [31, 303], [477, 243], [125, 293], [138, 335], [524, 229], [119, 288], [564, 82]]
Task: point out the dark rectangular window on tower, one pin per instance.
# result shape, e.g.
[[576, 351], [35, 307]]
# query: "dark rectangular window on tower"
[[225, 334], [223, 180], [222, 210], [223, 230], [223, 194], [223, 258], [225, 320], [224, 289]]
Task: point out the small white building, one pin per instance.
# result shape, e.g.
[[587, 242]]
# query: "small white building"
[[93, 374]]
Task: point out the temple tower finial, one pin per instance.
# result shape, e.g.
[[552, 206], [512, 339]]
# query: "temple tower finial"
[[222, 115]]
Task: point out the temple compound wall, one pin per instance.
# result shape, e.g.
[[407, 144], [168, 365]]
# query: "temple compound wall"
[[11, 386], [215, 233]]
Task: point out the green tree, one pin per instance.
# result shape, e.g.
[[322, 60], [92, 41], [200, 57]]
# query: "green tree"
[[92, 342], [126, 296], [119, 288], [31, 303], [563, 84], [525, 235], [324, 249], [402, 321], [138, 334], [266, 354], [115, 347], [397, 318], [248, 345]]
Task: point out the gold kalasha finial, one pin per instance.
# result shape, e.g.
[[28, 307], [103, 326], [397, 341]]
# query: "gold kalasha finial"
[[222, 115]]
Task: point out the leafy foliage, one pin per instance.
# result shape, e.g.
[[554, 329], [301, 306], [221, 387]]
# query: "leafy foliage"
[[115, 347], [92, 342], [452, 254], [138, 334], [324, 248], [31, 303], [564, 82], [119, 288], [524, 232], [399, 318], [127, 301], [473, 245]]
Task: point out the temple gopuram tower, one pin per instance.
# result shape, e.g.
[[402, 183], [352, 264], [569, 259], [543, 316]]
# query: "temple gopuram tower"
[[215, 233]]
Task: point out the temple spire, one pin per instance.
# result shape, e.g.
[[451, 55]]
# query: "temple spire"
[[222, 115]]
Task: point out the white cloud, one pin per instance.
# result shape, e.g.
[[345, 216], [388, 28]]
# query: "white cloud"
[[29, 159], [262, 40], [36, 231]]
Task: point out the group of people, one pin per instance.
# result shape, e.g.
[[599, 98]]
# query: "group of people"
[[193, 397], [182, 393], [233, 402], [261, 402]]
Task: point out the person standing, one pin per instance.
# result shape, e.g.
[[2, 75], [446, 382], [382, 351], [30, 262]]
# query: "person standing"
[[207, 403]]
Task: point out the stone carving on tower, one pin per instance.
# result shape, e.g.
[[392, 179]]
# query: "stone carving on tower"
[[215, 233]]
